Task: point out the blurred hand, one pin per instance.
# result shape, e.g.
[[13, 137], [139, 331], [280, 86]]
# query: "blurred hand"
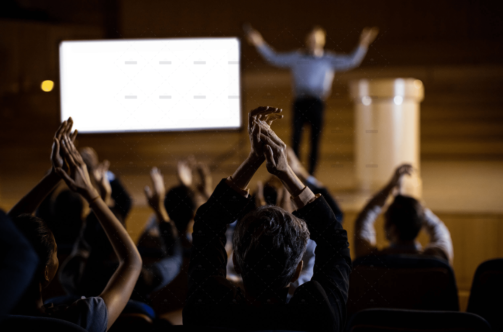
[[397, 179], [205, 182], [155, 196], [64, 129], [368, 35], [102, 183], [261, 119], [185, 172], [259, 194], [76, 177], [254, 37]]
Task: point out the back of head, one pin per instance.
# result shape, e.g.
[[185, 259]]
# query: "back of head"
[[268, 245], [68, 216], [407, 215], [180, 203], [39, 235]]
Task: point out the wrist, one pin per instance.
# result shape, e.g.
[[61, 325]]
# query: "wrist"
[[91, 195]]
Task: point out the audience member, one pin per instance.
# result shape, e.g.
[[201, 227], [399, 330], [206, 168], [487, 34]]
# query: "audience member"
[[268, 247], [18, 262], [93, 261], [93, 313], [404, 218]]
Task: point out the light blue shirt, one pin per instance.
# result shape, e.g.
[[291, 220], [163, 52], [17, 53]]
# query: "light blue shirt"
[[312, 75]]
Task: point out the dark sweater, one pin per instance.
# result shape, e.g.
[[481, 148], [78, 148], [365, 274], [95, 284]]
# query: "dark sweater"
[[318, 305]]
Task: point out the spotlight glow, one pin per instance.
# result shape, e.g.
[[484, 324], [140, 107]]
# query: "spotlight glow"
[[47, 86]]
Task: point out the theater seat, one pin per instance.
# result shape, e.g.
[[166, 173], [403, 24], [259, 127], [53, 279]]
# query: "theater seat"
[[16, 323], [402, 282], [380, 320], [487, 293]]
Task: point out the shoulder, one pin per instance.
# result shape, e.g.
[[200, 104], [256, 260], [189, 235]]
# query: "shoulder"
[[89, 313]]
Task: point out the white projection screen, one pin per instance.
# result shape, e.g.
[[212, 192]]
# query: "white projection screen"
[[151, 84]]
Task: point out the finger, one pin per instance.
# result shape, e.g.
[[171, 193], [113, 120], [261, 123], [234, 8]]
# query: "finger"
[[258, 110], [256, 133], [68, 128], [68, 153], [60, 129], [74, 135], [273, 117]]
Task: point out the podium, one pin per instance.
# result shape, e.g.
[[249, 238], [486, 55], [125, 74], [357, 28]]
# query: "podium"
[[386, 131]]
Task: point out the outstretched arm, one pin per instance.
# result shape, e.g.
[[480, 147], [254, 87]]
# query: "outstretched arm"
[[120, 286], [30, 202], [364, 238], [277, 59], [347, 62]]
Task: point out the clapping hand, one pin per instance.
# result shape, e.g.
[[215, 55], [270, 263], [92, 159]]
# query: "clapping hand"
[[400, 172], [155, 197], [64, 129], [76, 176], [254, 37], [260, 120]]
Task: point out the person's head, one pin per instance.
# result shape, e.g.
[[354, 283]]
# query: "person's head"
[[315, 38], [180, 203], [403, 219], [42, 240], [268, 247], [90, 157]]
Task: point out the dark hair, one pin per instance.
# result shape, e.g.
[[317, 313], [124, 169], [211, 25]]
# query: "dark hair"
[[180, 203], [67, 220], [39, 235], [268, 245], [407, 214]]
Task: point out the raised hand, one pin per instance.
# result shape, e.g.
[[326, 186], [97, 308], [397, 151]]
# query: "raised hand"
[[64, 129], [155, 197], [397, 179], [185, 172], [205, 182], [254, 37], [368, 35], [102, 183], [76, 177], [261, 119]]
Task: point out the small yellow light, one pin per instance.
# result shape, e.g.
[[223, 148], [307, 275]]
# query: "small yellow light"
[[47, 86]]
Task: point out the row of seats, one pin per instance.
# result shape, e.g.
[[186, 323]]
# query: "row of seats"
[[423, 288]]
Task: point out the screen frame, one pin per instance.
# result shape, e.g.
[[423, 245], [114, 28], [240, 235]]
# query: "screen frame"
[[240, 128]]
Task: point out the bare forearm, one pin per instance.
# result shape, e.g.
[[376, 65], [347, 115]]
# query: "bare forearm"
[[123, 246], [30, 202], [243, 175]]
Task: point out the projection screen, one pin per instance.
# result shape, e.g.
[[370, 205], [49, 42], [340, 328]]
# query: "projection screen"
[[151, 85]]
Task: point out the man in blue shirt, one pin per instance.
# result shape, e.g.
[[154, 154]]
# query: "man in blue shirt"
[[313, 72]]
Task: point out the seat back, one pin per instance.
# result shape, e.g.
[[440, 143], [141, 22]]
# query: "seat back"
[[402, 281], [487, 292], [380, 320], [15, 323]]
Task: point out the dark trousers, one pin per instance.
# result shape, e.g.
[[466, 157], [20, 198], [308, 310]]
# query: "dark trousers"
[[308, 110]]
